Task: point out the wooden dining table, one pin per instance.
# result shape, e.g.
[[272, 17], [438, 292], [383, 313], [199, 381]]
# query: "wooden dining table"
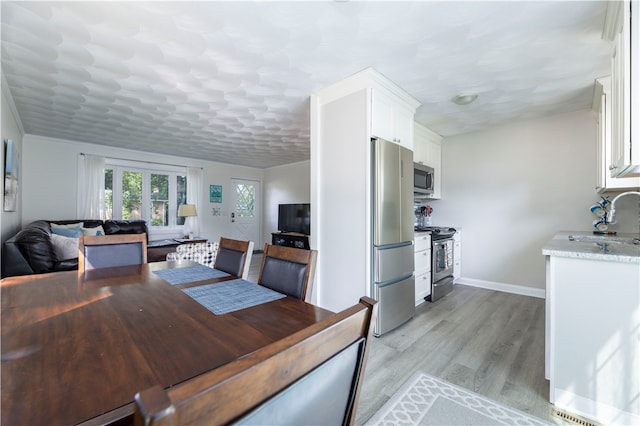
[[76, 347]]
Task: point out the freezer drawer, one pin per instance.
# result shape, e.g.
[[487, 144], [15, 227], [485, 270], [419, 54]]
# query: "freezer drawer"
[[393, 262], [396, 304]]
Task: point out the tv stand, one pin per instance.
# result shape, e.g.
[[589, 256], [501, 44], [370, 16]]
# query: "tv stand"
[[290, 239]]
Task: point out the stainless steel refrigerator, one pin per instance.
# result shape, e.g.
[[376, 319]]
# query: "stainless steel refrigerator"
[[392, 276]]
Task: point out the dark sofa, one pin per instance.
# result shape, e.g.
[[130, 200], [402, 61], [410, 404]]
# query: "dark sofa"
[[31, 250]]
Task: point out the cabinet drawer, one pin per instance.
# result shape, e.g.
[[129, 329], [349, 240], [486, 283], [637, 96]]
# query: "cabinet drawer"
[[422, 262], [422, 241], [423, 285]]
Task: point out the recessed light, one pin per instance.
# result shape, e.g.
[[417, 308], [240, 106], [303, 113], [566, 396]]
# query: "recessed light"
[[464, 99]]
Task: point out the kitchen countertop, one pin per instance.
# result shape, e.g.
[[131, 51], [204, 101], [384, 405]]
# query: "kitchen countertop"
[[612, 248]]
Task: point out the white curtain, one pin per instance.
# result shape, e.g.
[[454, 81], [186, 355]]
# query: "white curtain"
[[194, 196], [90, 187]]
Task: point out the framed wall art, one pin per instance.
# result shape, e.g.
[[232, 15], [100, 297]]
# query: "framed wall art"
[[11, 176], [215, 193]]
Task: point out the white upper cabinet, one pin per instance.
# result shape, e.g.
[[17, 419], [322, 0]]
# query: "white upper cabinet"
[[390, 119], [625, 93], [602, 105], [427, 150]]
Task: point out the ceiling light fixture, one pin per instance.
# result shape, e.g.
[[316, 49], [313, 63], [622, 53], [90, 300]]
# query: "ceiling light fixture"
[[464, 99]]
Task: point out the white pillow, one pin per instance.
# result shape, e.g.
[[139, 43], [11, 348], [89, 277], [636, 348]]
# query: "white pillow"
[[93, 231], [64, 247]]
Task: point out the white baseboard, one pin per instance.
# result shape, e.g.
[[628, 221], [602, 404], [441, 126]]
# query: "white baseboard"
[[507, 288]]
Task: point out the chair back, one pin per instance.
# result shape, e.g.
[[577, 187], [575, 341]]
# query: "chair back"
[[309, 378], [288, 270], [234, 257], [108, 251]]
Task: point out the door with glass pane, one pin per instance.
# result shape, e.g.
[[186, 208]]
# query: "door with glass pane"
[[245, 214]]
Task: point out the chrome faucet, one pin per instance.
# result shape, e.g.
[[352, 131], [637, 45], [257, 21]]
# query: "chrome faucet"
[[611, 217]]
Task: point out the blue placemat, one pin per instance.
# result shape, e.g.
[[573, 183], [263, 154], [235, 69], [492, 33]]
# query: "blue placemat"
[[189, 274], [229, 296]]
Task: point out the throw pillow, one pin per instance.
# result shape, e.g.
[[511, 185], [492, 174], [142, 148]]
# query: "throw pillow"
[[68, 225], [64, 247], [66, 230], [93, 231]]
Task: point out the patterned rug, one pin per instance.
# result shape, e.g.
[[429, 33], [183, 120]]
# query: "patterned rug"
[[426, 400]]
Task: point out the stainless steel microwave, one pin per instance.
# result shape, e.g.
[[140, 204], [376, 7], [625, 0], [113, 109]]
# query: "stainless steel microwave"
[[422, 179]]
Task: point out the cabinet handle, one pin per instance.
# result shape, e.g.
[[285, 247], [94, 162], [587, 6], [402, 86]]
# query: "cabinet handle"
[[613, 167]]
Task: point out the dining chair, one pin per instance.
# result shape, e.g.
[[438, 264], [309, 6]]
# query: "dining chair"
[[288, 270], [312, 377], [107, 251], [234, 257]]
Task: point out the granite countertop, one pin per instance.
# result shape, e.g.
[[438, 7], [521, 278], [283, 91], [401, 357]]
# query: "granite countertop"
[[586, 245]]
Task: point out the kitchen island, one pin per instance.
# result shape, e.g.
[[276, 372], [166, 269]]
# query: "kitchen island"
[[593, 325]]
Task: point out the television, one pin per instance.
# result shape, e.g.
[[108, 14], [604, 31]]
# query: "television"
[[294, 218]]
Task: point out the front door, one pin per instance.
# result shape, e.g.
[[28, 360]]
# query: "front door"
[[245, 212]]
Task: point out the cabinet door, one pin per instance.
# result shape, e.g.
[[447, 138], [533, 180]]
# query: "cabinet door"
[[422, 261], [423, 286], [625, 96], [382, 116], [419, 148], [604, 180], [435, 152], [403, 127], [422, 241], [457, 258]]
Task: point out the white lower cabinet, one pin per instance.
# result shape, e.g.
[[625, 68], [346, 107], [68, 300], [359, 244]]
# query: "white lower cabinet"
[[457, 253], [422, 268], [593, 329]]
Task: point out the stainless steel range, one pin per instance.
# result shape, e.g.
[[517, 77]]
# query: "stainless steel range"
[[441, 260]]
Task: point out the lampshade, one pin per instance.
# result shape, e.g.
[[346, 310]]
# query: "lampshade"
[[187, 210]]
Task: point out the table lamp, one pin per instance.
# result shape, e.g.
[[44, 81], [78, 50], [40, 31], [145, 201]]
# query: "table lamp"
[[188, 211]]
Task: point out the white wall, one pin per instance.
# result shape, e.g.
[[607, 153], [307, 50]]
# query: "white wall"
[[283, 185], [512, 188], [11, 129], [50, 181]]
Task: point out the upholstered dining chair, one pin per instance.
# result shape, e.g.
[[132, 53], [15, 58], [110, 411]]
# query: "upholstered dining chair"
[[234, 257], [312, 377], [108, 251], [288, 270]]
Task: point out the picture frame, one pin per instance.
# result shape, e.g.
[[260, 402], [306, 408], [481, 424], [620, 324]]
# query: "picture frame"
[[215, 193], [11, 176]]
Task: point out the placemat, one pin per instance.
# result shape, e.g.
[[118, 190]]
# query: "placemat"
[[189, 274], [229, 296]]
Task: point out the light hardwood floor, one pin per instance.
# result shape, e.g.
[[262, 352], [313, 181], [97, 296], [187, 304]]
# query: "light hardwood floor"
[[487, 341]]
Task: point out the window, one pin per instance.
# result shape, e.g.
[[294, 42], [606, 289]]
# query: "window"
[[133, 190]]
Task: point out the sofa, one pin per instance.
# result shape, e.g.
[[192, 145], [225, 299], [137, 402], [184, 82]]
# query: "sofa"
[[32, 250]]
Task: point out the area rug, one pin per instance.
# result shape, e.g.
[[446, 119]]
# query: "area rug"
[[426, 400]]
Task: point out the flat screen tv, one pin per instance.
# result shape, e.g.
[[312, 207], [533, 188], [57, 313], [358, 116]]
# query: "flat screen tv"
[[294, 218]]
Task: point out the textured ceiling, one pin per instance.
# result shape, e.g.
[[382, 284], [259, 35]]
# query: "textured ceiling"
[[230, 81]]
